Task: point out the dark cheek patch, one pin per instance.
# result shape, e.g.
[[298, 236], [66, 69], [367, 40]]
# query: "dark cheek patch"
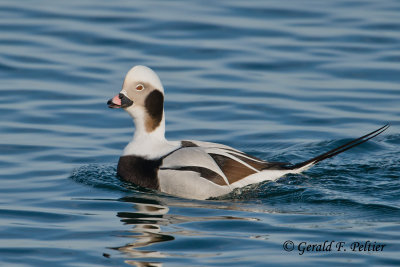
[[154, 105]]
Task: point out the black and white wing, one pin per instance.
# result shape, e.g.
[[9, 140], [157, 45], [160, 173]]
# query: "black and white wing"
[[214, 169]]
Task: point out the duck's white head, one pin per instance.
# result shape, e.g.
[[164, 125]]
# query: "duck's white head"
[[142, 96]]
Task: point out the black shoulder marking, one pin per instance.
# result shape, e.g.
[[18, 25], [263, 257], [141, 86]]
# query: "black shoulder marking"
[[154, 105], [188, 144], [140, 171], [204, 173]]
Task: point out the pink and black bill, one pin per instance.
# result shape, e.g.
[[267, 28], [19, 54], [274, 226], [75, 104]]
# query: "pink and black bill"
[[119, 101]]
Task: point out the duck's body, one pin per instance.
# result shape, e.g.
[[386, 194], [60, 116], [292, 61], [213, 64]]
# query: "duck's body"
[[194, 169], [190, 169]]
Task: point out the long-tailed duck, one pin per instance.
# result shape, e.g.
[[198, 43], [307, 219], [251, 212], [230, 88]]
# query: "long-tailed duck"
[[189, 169]]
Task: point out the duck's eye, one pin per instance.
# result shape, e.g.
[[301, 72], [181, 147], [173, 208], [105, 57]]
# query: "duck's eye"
[[139, 87]]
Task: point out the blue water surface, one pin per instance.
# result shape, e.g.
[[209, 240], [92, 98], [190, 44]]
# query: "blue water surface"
[[281, 80]]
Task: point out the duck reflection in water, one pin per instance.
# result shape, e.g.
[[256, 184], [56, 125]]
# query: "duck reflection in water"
[[146, 220], [150, 215]]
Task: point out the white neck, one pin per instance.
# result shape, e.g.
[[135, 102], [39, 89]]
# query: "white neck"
[[150, 145]]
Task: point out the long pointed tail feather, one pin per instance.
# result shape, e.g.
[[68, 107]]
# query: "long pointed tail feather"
[[341, 148]]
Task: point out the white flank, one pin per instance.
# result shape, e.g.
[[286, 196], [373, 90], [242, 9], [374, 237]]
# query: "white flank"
[[189, 184]]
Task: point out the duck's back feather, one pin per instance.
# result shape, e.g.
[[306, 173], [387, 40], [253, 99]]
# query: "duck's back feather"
[[203, 170]]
